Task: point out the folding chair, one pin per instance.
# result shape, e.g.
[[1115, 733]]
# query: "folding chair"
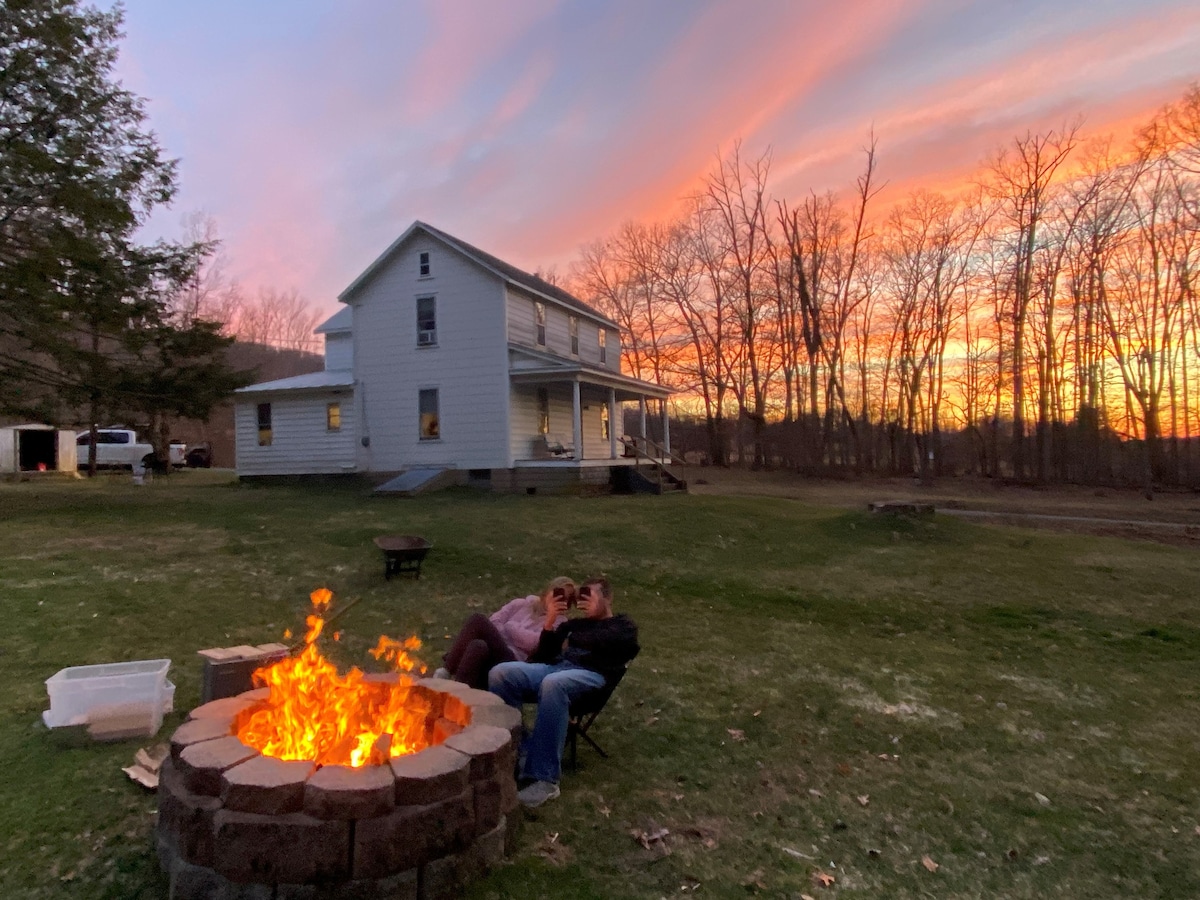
[[584, 710]]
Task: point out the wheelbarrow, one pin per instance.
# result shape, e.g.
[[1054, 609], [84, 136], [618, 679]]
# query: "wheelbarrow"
[[402, 553]]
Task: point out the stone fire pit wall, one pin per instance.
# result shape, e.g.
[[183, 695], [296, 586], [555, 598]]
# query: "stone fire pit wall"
[[236, 825]]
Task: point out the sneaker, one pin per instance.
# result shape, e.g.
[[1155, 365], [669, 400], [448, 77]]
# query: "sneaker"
[[537, 793], [442, 672]]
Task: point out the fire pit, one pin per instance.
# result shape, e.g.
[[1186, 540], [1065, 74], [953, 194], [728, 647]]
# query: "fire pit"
[[320, 785], [419, 826]]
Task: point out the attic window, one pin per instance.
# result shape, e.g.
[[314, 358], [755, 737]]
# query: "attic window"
[[539, 315], [423, 264]]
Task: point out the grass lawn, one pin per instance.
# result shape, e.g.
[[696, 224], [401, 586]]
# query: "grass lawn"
[[819, 690]]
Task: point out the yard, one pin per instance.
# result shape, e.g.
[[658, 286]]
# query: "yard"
[[827, 703]]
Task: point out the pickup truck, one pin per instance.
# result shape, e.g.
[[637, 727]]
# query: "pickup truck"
[[120, 448]]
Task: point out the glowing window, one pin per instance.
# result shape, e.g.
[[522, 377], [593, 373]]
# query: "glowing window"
[[430, 425], [543, 398], [265, 434], [333, 417]]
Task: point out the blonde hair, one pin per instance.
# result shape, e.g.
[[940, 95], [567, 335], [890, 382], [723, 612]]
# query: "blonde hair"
[[562, 581]]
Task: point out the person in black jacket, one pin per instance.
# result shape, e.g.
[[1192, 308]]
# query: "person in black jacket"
[[577, 656]]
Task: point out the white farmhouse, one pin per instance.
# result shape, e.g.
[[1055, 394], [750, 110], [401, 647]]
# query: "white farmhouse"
[[451, 365]]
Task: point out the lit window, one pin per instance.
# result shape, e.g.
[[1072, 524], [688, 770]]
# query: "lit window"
[[264, 425], [423, 264], [574, 328], [604, 421], [603, 345], [539, 314], [543, 411], [430, 426], [333, 417], [426, 322]]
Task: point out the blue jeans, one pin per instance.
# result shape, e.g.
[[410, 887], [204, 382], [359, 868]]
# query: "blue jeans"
[[552, 687]]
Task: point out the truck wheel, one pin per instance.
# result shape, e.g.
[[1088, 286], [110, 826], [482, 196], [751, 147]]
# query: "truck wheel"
[[150, 462]]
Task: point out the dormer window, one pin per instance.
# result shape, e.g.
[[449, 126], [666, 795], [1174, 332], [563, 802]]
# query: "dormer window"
[[423, 264], [574, 329], [539, 315], [603, 345], [426, 322]]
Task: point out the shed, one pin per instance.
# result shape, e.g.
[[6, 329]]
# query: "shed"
[[36, 448]]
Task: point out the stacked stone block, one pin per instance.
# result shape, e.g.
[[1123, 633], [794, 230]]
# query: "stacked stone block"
[[236, 825]]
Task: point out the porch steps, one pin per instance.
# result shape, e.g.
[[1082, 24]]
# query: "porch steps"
[[630, 480], [411, 482]]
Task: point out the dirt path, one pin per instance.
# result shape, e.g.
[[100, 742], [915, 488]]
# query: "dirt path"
[[1170, 517]]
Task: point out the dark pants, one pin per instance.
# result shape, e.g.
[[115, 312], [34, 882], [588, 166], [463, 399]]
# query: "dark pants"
[[478, 647]]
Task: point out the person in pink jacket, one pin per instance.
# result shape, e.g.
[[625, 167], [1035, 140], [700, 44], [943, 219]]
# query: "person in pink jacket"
[[510, 634]]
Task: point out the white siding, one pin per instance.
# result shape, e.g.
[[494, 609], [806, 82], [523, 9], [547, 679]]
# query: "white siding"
[[468, 366], [521, 324], [522, 329], [300, 442], [525, 440], [8, 450], [339, 351]]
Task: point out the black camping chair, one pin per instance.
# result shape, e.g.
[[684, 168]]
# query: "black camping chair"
[[584, 710]]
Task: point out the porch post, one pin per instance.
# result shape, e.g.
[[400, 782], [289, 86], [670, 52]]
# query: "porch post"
[[666, 427], [642, 417], [577, 420], [612, 423]]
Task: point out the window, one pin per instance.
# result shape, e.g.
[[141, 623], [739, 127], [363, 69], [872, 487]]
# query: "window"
[[423, 264], [539, 315], [604, 421], [573, 325], [264, 425], [543, 411], [603, 344], [426, 322], [333, 417], [428, 404]]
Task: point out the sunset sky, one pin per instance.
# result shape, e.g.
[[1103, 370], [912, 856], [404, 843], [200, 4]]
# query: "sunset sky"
[[316, 132]]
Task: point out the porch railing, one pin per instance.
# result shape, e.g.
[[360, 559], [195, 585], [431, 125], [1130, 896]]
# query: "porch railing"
[[661, 472]]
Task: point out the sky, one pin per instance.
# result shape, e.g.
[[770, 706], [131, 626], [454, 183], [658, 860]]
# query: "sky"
[[314, 132]]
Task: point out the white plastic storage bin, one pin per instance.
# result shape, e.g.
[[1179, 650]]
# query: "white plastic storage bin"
[[112, 699]]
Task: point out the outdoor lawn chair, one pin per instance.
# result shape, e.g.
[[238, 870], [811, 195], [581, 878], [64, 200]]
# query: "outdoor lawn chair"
[[584, 710]]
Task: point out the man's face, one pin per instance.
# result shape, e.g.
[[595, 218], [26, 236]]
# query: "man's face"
[[591, 603]]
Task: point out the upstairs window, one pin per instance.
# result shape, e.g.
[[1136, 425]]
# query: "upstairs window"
[[427, 402], [574, 329], [539, 316], [333, 417], [426, 322], [264, 425], [603, 344], [543, 411], [423, 264]]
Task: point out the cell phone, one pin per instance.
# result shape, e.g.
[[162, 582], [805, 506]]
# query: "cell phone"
[[560, 594]]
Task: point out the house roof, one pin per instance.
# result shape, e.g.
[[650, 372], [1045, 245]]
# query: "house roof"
[[510, 273], [309, 382], [340, 321], [533, 366]]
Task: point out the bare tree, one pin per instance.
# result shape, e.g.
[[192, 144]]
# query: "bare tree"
[[1020, 180]]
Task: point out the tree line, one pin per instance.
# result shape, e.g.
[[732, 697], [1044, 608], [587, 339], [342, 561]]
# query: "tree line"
[[1042, 323], [97, 324]]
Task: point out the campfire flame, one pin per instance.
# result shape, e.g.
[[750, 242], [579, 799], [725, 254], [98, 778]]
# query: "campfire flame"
[[315, 713]]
